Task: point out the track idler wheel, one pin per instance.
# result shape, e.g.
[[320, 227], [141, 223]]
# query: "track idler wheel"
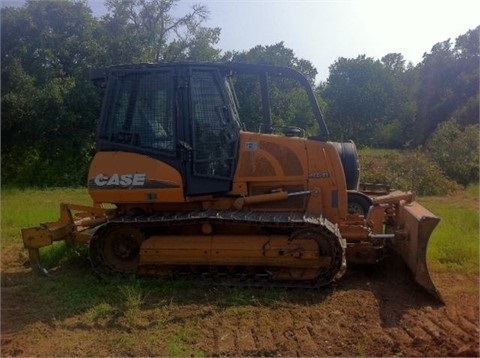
[[114, 250], [329, 245]]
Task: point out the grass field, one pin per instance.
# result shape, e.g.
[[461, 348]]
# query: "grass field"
[[138, 317], [454, 243], [25, 208]]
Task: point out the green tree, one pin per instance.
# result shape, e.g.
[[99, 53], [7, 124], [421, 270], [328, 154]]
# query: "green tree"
[[468, 112], [358, 94], [396, 129], [276, 55], [448, 78], [146, 31], [290, 105], [48, 105]]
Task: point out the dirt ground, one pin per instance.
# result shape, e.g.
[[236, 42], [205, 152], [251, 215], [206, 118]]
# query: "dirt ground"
[[370, 312]]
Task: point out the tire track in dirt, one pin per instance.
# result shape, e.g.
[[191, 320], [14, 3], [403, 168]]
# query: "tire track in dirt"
[[463, 323], [439, 332], [223, 336], [368, 314], [244, 341], [319, 330], [263, 335], [251, 334], [283, 331], [451, 330], [302, 328]]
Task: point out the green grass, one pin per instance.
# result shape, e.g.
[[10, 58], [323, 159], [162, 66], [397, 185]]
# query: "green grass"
[[100, 311], [473, 191], [30, 207], [178, 345], [454, 244], [71, 293], [241, 297]]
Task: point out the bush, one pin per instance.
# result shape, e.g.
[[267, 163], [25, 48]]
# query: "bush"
[[456, 151], [55, 169], [409, 170]]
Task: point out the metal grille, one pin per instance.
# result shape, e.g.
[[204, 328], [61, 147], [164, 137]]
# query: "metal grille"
[[214, 148], [142, 111]]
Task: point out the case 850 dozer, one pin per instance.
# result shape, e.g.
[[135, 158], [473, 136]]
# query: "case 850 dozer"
[[195, 193]]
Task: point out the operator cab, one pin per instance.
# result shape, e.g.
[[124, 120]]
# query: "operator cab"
[[183, 115], [187, 115]]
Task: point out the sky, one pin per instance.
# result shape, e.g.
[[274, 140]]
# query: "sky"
[[321, 31]]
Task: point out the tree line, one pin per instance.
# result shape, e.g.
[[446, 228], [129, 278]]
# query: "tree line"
[[50, 107]]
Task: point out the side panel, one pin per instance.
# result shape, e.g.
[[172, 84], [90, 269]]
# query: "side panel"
[[269, 163], [326, 181], [310, 171], [122, 177], [264, 158]]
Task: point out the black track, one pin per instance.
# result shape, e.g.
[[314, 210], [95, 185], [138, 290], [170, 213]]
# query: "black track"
[[326, 234]]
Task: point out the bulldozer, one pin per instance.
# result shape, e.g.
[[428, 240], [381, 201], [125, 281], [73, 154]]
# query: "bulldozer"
[[180, 187]]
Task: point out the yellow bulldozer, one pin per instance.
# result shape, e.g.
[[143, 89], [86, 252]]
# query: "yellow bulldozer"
[[180, 187]]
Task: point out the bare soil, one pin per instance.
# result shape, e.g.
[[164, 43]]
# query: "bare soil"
[[375, 311]]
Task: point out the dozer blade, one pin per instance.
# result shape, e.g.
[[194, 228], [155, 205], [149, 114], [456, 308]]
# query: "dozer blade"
[[416, 225]]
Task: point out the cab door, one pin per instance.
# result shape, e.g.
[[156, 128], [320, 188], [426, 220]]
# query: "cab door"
[[213, 133]]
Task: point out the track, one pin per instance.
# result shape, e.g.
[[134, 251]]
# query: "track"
[[116, 247]]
